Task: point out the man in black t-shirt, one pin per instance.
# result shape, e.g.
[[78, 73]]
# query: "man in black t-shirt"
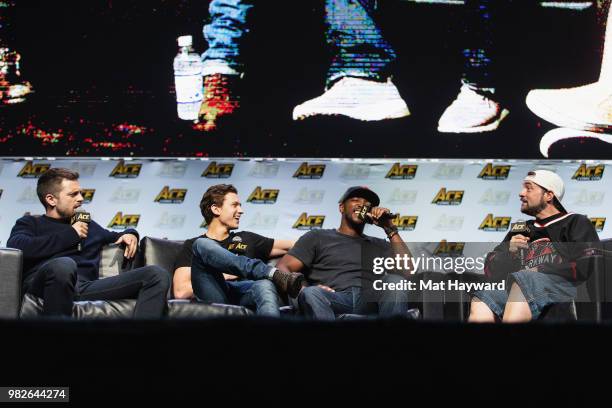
[[230, 267], [334, 262], [541, 261]]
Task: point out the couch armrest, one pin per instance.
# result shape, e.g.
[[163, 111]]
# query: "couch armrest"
[[11, 264]]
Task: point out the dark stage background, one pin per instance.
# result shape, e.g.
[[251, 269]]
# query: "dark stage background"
[[102, 72]]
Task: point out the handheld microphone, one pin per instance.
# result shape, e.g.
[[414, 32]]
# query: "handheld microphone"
[[80, 216], [367, 218], [520, 227]]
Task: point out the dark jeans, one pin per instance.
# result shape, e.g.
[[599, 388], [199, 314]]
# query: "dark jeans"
[[320, 304], [210, 261], [56, 282]]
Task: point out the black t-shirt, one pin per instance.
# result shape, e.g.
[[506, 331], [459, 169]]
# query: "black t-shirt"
[[240, 243], [334, 259]]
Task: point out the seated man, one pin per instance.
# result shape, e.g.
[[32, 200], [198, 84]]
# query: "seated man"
[[201, 265], [540, 267], [61, 260], [333, 260]]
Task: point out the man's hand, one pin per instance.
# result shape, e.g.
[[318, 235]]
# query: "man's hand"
[[518, 242], [376, 213], [82, 228], [131, 244], [327, 288]]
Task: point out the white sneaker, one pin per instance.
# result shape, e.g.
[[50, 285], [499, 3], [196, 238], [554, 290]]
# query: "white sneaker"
[[587, 107], [357, 98], [471, 112]]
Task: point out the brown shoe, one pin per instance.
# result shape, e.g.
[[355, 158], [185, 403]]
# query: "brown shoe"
[[288, 282]]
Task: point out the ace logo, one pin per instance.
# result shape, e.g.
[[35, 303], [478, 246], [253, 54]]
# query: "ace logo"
[[450, 197], [599, 223], [402, 172], [306, 171], [33, 170], [171, 196], [405, 222], [589, 173], [221, 170], [491, 172], [263, 196], [449, 249], [88, 195], [121, 222], [122, 170], [309, 222], [491, 223]]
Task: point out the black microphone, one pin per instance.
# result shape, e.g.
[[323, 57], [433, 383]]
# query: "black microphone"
[[363, 215], [520, 227], [80, 216]]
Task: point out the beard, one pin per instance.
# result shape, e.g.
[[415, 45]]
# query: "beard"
[[535, 209]]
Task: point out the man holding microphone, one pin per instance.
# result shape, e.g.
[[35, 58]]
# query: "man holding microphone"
[[60, 258], [537, 257]]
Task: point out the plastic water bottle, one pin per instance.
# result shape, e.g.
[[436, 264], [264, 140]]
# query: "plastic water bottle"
[[188, 79]]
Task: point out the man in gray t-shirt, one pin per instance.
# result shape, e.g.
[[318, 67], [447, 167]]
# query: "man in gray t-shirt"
[[335, 262]]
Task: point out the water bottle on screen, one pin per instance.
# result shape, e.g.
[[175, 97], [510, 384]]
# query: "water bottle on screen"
[[188, 79]]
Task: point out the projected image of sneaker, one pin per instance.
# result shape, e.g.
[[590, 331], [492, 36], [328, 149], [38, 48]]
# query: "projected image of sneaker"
[[357, 98], [587, 107], [221, 99], [473, 111]]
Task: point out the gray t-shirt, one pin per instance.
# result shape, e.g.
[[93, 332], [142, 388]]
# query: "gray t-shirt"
[[334, 259]]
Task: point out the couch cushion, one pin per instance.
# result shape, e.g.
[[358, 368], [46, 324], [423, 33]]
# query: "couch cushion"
[[32, 307], [185, 309]]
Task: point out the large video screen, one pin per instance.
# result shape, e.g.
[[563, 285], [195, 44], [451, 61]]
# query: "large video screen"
[[327, 78]]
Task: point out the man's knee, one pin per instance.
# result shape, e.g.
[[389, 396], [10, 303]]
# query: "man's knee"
[[62, 270], [202, 247], [264, 286], [157, 276], [480, 312], [311, 294]]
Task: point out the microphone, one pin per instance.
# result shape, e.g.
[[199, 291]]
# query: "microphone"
[[80, 216], [367, 218], [520, 227]]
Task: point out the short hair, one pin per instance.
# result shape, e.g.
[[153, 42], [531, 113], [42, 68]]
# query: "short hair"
[[49, 182], [214, 196]]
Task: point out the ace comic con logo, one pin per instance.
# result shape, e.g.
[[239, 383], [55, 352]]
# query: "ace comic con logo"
[[124, 221], [589, 173], [309, 171], [402, 171], [221, 170], [171, 195], [122, 170], [448, 197], [491, 172], [309, 222], [263, 196], [33, 170], [495, 224]]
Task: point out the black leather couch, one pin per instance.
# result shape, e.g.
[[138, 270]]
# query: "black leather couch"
[[112, 262]]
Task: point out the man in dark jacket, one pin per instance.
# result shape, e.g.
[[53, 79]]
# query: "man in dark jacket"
[[538, 259], [61, 258]]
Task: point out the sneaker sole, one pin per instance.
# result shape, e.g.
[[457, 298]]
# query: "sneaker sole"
[[563, 121], [559, 134], [362, 114], [479, 129]]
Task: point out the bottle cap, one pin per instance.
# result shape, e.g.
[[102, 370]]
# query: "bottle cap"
[[185, 41]]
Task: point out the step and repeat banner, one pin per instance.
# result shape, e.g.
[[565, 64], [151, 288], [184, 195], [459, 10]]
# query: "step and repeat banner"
[[448, 202]]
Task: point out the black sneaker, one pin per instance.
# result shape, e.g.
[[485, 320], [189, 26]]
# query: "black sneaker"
[[288, 282]]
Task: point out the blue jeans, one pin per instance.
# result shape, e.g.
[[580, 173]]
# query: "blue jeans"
[[225, 35], [540, 290], [358, 44], [478, 38], [320, 304], [211, 260]]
